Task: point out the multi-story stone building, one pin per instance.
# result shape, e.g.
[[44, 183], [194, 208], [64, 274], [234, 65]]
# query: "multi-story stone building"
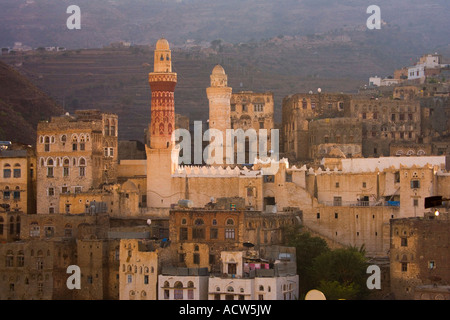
[[36, 269], [18, 178], [336, 137], [419, 257], [385, 121], [223, 228], [140, 263], [299, 109], [74, 154]]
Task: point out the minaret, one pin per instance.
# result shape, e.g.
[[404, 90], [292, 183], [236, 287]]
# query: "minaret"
[[162, 157], [162, 83], [219, 96]]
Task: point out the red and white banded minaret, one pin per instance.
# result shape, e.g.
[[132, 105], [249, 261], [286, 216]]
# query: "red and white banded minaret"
[[162, 83]]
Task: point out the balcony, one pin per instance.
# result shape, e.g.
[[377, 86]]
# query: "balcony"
[[362, 203]]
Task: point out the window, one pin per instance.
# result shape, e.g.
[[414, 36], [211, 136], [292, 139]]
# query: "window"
[[337, 201], [16, 195], [269, 178], [230, 234], [196, 258], [288, 177], [213, 233], [146, 279], [17, 173], [415, 202], [6, 171], [129, 278], [51, 191], [404, 242], [66, 163], [20, 259], [82, 171], [9, 260], [34, 230], [183, 233], [415, 184], [50, 172], [47, 144], [49, 231], [178, 292], [431, 265], [232, 267], [404, 266]]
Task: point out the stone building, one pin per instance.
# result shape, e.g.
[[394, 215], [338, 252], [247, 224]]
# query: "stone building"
[[253, 275], [36, 269], [254, 111], [299, 109], [419, 257], [385, 121], [205, 233], [74, 154], [99, 262], [140, 263], [18, 178], [337, 137]]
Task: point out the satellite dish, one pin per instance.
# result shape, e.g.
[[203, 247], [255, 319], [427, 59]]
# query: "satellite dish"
[[315, 295], [149, 221]]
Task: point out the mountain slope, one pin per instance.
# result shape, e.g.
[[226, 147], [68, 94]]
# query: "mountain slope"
[[22, 106]]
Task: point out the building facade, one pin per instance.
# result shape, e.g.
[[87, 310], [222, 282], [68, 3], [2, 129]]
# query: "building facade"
[[74, 154]]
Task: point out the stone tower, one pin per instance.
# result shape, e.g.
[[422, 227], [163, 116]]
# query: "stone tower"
[[162, 157], [162, 83], [219, 96]]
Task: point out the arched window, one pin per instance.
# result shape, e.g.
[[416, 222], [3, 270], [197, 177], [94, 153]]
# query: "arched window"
[[11, 225], [178, 292], [66, 164], [230, 222], [18, 224], [166, 284], [82, 142], [63, 138], [20, 259], [74, 142], [9, 259], [7, 171], [198, 232], [82, 167], [113, 127], [47, 144], [230, 289]]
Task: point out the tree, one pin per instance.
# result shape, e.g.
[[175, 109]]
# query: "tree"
[[341, 273], [307, 249]]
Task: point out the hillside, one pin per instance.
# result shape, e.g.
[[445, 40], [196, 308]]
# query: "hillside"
[[116, 79], [22, 106], [43, 22]]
